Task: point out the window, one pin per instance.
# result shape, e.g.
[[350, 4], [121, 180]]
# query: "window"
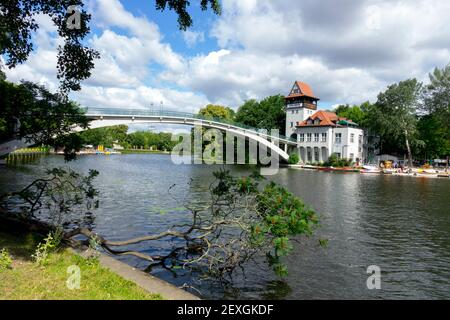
[[352, 156], [296, 111], [292, 124], [324, 137], [301, 137], [317, 121], [308, 137], [337, 154], [292, 111], [338, 138], [352, 137], [316, 137]]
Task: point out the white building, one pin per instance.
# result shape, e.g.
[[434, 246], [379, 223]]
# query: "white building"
[[320, 133]]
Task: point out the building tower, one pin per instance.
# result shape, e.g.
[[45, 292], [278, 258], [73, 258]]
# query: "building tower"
[[300, 104]]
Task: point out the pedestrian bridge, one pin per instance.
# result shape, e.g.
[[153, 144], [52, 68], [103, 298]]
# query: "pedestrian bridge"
[[106, 117], [111, 117]]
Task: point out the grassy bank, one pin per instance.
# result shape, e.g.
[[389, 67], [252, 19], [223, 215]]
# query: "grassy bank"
[[27, 280]]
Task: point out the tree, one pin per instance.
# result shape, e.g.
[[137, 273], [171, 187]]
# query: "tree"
[[75, 60], [437, 94], [267, 114], [31, 112], [435, 137], [180, 7], [217, 111], [394, 114], [242, 220], [435, 125], [354, 113], [142, 139], [105, 136]]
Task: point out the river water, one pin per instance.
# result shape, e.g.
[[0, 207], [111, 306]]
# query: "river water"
[[400, 224]]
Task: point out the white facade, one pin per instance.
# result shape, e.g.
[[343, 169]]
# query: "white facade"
[[296, 114], [317, 142]]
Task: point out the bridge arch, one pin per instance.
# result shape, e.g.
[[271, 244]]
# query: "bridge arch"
[[99, 121]]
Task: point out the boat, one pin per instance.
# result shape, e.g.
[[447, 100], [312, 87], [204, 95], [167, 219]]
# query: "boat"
[[370, 169]]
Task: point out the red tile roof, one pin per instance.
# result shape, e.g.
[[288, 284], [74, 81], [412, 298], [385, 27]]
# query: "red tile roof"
[[327, 119], [305, 91]]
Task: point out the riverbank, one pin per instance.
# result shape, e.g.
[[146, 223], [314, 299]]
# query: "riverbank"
[[26, 280], [143, 151], [417, 173]]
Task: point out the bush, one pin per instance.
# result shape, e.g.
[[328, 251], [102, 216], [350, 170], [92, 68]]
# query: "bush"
[[50, 244], [5, 260], [335, 161], [293, 158]]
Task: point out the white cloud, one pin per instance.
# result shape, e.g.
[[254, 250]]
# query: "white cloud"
[[231, 77], [191, 38], [347, 50], [146, 34], [120, 77]]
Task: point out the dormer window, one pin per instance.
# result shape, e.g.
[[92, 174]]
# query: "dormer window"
[[309, 122], [317, 121]]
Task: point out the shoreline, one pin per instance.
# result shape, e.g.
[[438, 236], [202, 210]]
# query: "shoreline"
[[440, 175]]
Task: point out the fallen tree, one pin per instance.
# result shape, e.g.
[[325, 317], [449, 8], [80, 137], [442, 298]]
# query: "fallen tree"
[[246, 217]]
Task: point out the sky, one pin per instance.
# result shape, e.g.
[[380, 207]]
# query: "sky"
[[348, 51]]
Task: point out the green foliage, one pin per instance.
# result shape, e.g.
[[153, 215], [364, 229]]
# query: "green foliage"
[[394, 118], [49, 245], [283, 215], [434, 127], [335, 161], [435, 135], [437, 94], [271, 215], [105, 136], [354, 113], [293, 158], [143, 139], [5, 260], [30, 111], [217, 111], [75, 61], [180, 8], [267, 114]]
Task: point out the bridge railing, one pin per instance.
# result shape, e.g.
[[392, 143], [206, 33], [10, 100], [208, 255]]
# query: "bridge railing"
[[176, 114]]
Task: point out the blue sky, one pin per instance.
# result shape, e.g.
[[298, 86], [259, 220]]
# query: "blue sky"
[[348, 51]]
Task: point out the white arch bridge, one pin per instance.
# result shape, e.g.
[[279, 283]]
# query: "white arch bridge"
[[106, 117], [111, 117]]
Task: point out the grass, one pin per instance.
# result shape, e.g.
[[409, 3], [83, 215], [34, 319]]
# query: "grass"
[[26, 280]]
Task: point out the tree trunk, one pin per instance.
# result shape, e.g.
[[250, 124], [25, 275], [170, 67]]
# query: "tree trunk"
[[408, 148]]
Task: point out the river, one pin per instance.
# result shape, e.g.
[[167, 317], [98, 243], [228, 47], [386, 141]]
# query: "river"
[[400, 224]]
